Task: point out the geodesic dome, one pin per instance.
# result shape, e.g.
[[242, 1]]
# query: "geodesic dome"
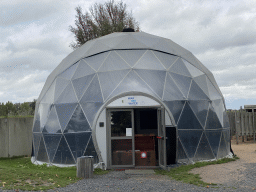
[[119, 64]]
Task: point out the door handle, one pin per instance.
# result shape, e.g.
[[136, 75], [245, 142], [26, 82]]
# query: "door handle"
[[160, 137]]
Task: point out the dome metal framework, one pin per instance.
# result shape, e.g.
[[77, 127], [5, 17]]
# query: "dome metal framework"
[[120, 63]]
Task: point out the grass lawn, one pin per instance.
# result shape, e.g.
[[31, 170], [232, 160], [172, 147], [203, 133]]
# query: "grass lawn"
[[182, 173], [20, 173]]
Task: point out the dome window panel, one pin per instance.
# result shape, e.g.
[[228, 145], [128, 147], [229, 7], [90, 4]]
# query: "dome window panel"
[[82, 70], [222, 152], [109, 80], [96, 61], [194, 72], [90, 151], [131, 56], [113, 62], [182, 156], [201, 81], [204, 151], [78, 122], [188, 120], [81, 84], [67, 96], [214, 140], [155, 79], [196, 93], [78, 142], [212, 121], [52, 142], [49, 96], [44, 110], [61, 84], [149, 61], [166, 59], [182, 82], [68, 73], [65, 112], [90, 110], [200, 108], [213, 93], [180, 68], [42, 154], [52, 125], [190, 140], [36, 141], [93, 92], [171, 91], [176, 108], [63, 154]]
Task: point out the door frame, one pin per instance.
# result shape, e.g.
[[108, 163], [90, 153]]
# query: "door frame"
[[160, 120], [109, 138]]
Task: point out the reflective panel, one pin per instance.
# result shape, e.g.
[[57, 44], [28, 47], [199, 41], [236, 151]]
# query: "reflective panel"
[[131, 56], [78, 122], [90, 151], [204, 151], [202, 83], [42, 154], [219, 108], [214, 140], [77, 142], [68, 95], [180, 68], [109, 80], [81, 84], [225, 119], [223, 148], [113, 62], [49, 96], [200, 108], [190, 140], [68, 73], [65, 112], [188, 119], [36, 140], [182, 156], [166, 59], [63, 154], [82, 70], [196, 93], [121, 152], [167, 119], [120, 120], [53, 125], [226, 135], [90, 110], [61, 84], [175, 107], [44, 110], [182, 82], [93, 93], [171, 91], [212, 120], [36, 127], [192, 70], [155, 79], [213, 93], [149, 61], [96, 61], [132, 82], [52, 142]]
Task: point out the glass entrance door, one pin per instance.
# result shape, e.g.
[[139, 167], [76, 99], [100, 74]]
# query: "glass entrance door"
[[121, 138]]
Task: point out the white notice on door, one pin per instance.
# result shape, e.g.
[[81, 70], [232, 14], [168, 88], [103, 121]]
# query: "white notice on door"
[[128, 132]]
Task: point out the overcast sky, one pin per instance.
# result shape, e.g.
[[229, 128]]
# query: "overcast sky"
[[34, 38]]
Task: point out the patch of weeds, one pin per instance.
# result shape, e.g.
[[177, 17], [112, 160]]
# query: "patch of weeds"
[[182, 173], [20, 173], [99, 171]]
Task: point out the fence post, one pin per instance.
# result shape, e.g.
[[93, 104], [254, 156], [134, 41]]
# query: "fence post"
[[236, 128]]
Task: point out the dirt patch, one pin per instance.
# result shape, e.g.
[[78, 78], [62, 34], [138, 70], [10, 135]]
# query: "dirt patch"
[[232, 171]]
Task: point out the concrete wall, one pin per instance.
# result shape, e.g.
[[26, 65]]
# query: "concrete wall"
[[16, 136]]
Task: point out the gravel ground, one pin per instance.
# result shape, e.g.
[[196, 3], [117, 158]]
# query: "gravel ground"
[[119, 181]]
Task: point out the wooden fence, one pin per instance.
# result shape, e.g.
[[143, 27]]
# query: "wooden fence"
[[242, 124]]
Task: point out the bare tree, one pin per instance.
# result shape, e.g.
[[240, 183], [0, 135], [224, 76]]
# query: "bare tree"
[[102, 19]]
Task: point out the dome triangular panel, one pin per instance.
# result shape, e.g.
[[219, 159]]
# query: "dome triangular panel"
[[214, 139], [204, 151], [96, 61], [82, 70], [180, 68], [67, 96], [166, 59], [131, 56], [52, 142], [52, 125]]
